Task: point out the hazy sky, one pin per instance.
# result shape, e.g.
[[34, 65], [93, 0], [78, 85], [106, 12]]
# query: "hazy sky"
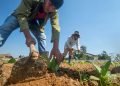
[[98, 22]]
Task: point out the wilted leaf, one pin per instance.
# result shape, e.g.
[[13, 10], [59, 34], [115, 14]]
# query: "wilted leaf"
[[94, 78]]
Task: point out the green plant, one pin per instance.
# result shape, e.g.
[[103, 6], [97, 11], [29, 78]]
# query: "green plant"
[[83, 76], [103, 74], [53, 65], [115, 64], [12, 60], [72, 64]]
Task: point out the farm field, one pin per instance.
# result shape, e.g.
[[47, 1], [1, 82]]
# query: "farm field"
[[77, 73]]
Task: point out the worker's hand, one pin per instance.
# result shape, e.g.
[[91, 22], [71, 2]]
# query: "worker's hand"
[[71, 49], [56, 53], [78, 51], [33, 52]]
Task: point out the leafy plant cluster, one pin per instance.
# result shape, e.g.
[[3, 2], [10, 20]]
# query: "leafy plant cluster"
[[12, 60], [104, 75], [53, 65]]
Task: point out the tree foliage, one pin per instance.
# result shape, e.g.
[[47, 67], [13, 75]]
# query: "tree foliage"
[[83, 49], [117, 58], [103, 56]]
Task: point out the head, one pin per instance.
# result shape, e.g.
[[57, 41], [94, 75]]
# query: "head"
[[76, 35], [52, 5]]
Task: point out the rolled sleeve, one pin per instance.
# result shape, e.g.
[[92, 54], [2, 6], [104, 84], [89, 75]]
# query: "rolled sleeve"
[[23, 23], [22, 13], [55, 26]]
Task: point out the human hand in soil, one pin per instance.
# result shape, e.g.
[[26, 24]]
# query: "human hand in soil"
[[33, 52], [56, 52], [78, 51]]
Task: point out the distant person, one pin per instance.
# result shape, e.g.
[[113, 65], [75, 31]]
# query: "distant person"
[[32, 15], [71, 41]]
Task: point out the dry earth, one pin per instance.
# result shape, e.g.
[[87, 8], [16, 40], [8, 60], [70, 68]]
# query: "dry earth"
[[26, 72]]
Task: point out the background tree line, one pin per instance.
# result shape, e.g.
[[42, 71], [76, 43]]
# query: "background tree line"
[[88, 56]]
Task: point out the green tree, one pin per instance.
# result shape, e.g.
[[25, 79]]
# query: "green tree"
[[83, 49], [104, 56], [117, 58], [89, 57]]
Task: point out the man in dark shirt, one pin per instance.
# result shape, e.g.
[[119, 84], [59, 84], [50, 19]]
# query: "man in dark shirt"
[[33, 15]]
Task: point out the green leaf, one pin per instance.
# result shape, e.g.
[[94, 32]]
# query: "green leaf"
[[105, 68], [53, 65], [108, 74], [97, 68]]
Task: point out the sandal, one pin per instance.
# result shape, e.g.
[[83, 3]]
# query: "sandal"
[[34, 57]]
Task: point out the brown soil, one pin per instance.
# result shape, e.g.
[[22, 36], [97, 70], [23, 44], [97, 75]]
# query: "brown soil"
[[26, 72]]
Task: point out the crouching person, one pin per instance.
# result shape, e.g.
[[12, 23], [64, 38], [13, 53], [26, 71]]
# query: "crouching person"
[[69, 44]]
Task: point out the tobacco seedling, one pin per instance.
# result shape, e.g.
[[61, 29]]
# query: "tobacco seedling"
[[103, 74], [53, 65]]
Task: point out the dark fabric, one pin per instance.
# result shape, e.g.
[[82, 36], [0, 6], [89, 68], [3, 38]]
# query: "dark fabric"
[[57, 3], [41, 14]]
